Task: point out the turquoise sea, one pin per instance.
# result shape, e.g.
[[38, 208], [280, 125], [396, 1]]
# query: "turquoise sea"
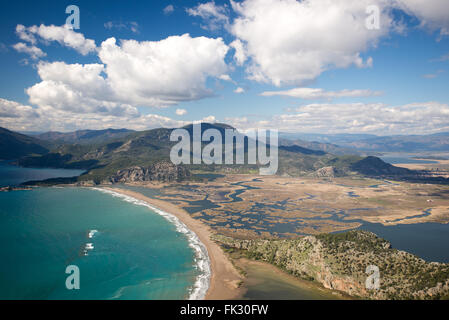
[[136, 252]]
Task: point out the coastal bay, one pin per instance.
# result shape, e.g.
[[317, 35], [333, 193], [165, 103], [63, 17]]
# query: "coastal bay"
[[123, 251], [239, 278], [225, 279]]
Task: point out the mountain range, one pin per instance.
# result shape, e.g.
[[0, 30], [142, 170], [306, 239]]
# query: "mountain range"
[[360, 143], [102, 153], [81, 136]]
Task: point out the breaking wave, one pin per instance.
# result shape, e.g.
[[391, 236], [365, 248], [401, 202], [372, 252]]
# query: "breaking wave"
[[202, 261]]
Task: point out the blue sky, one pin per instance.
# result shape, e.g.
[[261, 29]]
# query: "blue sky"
[[403, 69]]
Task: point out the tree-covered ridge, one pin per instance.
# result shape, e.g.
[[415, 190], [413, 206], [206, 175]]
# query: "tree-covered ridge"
[[14, 145], [104, 152], [339, 261]]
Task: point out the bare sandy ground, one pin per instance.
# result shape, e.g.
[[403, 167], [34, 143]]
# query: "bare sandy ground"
[[225, 278], [440, 168]]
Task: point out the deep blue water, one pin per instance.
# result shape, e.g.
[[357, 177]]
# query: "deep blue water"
[[404, 159], [12, 175], [429, 241]]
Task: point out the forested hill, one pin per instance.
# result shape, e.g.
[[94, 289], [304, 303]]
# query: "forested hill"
[[14, 145], [102, 153]]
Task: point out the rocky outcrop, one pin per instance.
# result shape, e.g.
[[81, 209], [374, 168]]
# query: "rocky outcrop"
[[163, 171], [326, 172], [89, 183], [339, 262]]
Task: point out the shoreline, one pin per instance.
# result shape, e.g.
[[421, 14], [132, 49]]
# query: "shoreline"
[[224, 278], [301, 286]]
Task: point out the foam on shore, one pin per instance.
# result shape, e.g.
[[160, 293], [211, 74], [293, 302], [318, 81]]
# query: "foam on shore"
[[199, 290]]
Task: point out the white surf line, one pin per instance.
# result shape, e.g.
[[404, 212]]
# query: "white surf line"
[[199, 290]]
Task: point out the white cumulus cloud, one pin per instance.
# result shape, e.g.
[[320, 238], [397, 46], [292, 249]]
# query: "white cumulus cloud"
[[433, 14], [290, 42], [318, 93], [225, 77], [166, 72], [214, 15], [33, 51], [375, 118], [76, 88], [12, 110], [16, 116], [63, 35], [181, 112], [209, 119], [151, 74], [240, 52]]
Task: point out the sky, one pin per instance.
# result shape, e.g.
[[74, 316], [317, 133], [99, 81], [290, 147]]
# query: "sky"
[[319, 66]]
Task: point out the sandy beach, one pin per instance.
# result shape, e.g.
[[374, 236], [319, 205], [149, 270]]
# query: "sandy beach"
[[225, 278]]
